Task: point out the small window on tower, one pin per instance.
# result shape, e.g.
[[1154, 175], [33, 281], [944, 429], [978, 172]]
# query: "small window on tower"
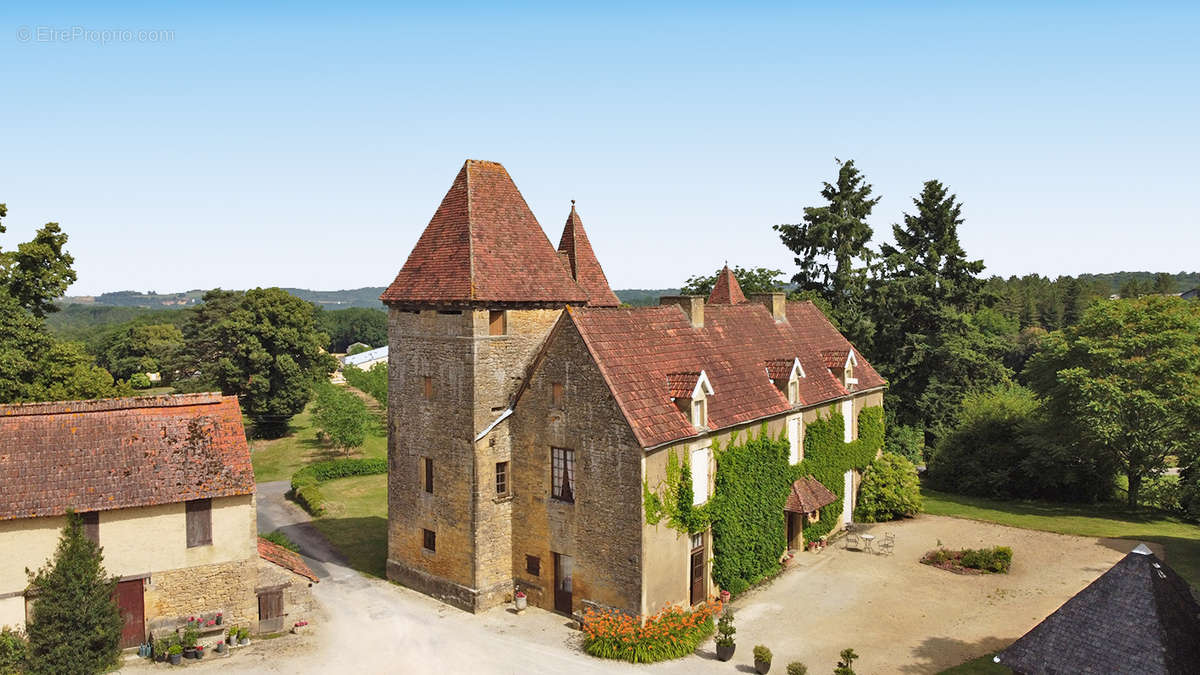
[[429, 540], [533, 565], [556, 394], [497, 322], [501, 478], [427, 384], [427, 470]]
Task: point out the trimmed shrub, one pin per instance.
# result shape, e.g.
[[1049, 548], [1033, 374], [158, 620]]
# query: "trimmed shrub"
[[670, 634], [797, 668], [890, 490], [306, 482]]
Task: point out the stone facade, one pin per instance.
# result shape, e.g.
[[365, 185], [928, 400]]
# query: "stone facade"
[[298, 601], [601, 529], [449, 379], [173, 596]]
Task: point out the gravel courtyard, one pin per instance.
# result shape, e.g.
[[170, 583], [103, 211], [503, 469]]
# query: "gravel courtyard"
[[899, 615]]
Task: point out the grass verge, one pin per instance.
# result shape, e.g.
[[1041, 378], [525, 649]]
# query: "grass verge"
[[279, 458], [355, 521]]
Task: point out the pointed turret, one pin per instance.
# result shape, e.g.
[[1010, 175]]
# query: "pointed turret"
[[483, 245], [582, 263], [726, 290]]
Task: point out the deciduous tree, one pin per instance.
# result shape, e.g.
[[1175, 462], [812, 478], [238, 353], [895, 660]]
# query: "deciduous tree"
[[1126, 382], [753, 280]]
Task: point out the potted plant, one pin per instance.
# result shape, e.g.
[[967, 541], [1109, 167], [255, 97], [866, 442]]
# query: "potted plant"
[[199, 654], [725, 631], [725, 597], [299, 627], [797, 668], [521, 601], [161, 647], [243, 637], [221, 647], [219, 618], [846, 665], [231, 636], [175, 654], [762, 659]]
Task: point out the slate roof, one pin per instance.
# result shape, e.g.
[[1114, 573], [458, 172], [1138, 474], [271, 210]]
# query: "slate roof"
[[808, 495], [726, 290], [1138, 617], [289, 560], [120, 453], [483, 244], [584, 267], [637, 348]]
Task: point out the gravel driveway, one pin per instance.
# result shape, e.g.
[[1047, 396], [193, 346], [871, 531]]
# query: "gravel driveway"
[[899, 615]]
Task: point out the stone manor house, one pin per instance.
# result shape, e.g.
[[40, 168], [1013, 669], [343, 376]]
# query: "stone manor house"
[[527, 409]]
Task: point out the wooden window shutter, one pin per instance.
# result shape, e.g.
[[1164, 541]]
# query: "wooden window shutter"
[[496, 322], [199, 522], [91, 525]]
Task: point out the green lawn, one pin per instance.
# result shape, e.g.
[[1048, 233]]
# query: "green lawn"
[[1181, 540], [355, 521], [279, 458]]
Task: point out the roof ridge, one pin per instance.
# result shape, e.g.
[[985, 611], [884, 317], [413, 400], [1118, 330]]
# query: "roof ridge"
[[110, 404], [470, 233]]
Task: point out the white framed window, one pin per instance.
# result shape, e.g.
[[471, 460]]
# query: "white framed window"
[[699, 412], [793, 391], [795, 440], [699, 476], [848, 419]]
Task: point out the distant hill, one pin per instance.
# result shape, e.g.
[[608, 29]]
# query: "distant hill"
[[640, 297], [1184, 281]]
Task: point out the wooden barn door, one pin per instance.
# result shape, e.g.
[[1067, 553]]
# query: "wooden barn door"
[[128, 595], [270, 610]]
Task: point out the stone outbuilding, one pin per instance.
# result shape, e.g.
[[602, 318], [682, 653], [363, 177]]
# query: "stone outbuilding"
[[284, 587], [528, 411], [164, 485]]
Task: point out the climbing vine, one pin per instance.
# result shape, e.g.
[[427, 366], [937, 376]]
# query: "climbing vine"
[[827, 457], [752, 483]]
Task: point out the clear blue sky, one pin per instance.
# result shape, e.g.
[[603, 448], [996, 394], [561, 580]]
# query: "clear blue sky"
[[308, 144]]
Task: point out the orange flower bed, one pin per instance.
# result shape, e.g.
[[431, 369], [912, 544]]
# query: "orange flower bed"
[[670, 634]]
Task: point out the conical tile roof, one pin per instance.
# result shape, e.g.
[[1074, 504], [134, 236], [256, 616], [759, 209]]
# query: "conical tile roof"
[[726, 290], [585, 268], [483, 245]]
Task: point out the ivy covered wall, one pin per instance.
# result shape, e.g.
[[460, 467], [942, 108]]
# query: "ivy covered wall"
[[827, 457]]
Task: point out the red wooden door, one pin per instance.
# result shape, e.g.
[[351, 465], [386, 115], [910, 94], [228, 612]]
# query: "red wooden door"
[[133, 612]]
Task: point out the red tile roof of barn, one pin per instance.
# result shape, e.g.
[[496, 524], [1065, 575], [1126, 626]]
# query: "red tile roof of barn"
[[120, 453], [584, 267], [483, 245], [637, 348], [726, 290], [289, 560], [808, 495]]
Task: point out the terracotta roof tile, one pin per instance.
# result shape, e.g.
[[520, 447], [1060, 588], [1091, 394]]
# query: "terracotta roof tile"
[[638, 348], [808, 495], [681, 385], [289, 560], [584, 267], [120, 453], [483, 245], [726, 290]]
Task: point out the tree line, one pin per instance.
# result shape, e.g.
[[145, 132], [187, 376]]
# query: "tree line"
[[1016, 387]]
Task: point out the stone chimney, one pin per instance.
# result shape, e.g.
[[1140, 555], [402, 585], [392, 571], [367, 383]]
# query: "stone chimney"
[[776, 303], [693, 306]]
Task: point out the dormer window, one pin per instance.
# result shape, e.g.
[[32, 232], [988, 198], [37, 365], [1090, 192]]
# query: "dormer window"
[[690, 392], [841, 363], [786, 375]]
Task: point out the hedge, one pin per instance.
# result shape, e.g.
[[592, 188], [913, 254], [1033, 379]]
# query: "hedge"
[[306, 482]]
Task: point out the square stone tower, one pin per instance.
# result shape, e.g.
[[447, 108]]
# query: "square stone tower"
[[466, 315]]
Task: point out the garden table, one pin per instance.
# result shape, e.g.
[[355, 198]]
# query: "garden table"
[[868, 543]]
